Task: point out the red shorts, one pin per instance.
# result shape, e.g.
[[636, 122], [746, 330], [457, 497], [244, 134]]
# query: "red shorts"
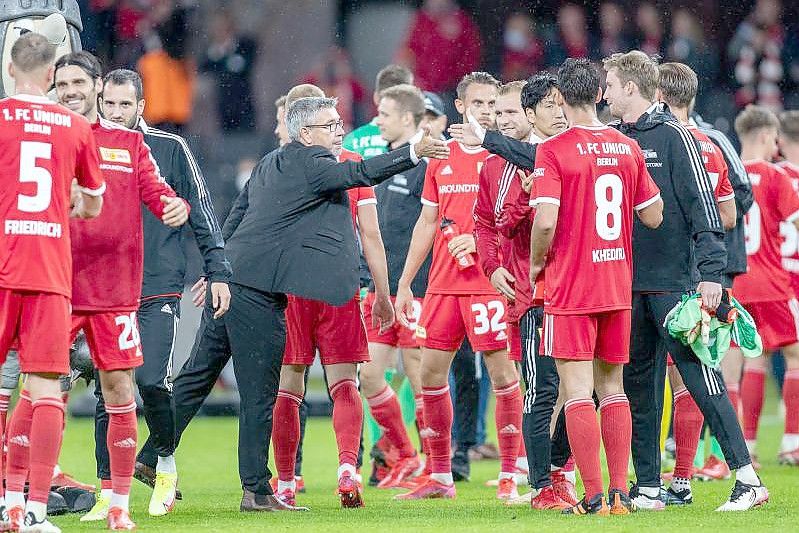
[[112, 336], [39, 323], [777, 322], [514, 341], [604, 336], [339, 333], [397, 335], [448, 318]]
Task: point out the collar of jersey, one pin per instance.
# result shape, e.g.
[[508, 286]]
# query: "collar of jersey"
[[36, 99]]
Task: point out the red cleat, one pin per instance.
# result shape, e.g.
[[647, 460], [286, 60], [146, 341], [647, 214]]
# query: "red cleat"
[[548, 500], [715, 469], [65, 480], [119, 520], [507, 490], [16, 518], [402, 470], [349, 491], [430, 489], [287, 496], [564, 488]]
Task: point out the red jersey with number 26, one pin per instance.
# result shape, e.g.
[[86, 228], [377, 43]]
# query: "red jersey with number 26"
[[44, 146], [775, 202], [451, 185], [597, 176]]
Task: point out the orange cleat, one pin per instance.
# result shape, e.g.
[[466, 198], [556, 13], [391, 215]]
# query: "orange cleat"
[[119, 520], [548, 500], [430, 489], [349, 491], [714, 469], [65, 480], [507, 490]]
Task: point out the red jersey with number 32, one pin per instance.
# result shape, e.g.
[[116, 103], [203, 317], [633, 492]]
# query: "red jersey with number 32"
[[42, 147], [451, 185], [775, 203], [597, 176]]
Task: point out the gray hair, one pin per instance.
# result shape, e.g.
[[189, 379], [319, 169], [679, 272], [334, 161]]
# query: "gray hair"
[[303, 112]]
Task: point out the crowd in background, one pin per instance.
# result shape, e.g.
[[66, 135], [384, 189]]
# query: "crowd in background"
[[173, 43]]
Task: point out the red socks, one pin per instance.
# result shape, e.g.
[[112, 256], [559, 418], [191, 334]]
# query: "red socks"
[[122, 435], [4, 399], [19, 428], [387, 413], [286, 433], [347, 420], [790, 395], [46, 431], [424, 442], [688, 422], [508, 415], [753, 391], [583, 429], [617, 429], [438, 427]]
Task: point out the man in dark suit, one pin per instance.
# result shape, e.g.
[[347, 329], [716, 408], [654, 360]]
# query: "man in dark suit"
[[290, 232]]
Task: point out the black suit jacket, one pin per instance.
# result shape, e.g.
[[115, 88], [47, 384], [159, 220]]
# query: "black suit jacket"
[[291, 229]]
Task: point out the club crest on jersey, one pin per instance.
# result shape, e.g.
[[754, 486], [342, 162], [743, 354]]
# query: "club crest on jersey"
[[115, 155]]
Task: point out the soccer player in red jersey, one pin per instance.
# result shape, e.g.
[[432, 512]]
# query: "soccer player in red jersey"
[[44, 148], [339, 334], [789, 148], [108, 258], [460, 300], [766, 289], [588, 182]]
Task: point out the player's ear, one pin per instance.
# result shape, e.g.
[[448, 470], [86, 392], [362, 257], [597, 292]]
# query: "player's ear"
[[140, 107], [11, 69], [598, 95], [557, 98], [51, 75], [530, 114], [98, 85], [460, 105]]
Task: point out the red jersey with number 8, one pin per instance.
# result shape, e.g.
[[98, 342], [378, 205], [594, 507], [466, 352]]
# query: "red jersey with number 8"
[[44, 146], [775, 203], [597, 176]]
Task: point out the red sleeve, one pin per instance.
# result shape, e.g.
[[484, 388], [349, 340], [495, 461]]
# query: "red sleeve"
[[547, 177], [430, 190], [646, 191], [515, 210], [724, 190], [364, 196], [87, 166], [151, 184], [785, 197], [485, 232]]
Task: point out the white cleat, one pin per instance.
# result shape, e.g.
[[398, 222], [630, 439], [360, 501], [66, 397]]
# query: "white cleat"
[[745, 497], [163, 499], [98, 513], [32, 526]]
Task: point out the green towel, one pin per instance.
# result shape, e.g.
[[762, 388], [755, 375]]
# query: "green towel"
[[708, 337]]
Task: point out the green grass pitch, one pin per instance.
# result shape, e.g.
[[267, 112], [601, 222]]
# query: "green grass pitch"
[[209, 480]]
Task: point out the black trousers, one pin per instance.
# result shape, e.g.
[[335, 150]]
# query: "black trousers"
[[541, 383], [644, 382], [158, 322], [467, 396]]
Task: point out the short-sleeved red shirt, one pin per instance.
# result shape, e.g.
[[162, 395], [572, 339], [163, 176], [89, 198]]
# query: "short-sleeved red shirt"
[[714, 164]]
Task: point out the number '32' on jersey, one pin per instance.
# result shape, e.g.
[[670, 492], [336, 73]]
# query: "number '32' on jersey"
[[597, 176]]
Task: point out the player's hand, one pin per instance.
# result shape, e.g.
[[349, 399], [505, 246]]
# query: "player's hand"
[[710, 293], [503, 281], [220, 298], [526, 179], [535, 271], [175, 211], [198, 292], [430, 147], [382, 313], [462, 245], [403, 306], [74, 193], [469, 134]]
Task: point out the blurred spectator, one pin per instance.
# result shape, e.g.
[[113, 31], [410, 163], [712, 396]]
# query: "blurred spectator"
[[443, 44], [166, 70], [612, 38], [131, 22], [230, 59], [523, 51], [98, 25], [756, 52], [572, 37], [688, 45], [651, 30], [334, 74]]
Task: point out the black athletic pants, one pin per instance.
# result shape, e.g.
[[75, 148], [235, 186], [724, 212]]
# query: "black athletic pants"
[[644, 381], [158, 322], [541, 382]]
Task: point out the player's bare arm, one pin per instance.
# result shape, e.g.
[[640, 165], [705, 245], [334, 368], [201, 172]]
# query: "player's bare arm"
[[176, 213], [503, 281], [729, 213], [375, 254], [424, 233], [84, 205], [546, 220], [652, 215]]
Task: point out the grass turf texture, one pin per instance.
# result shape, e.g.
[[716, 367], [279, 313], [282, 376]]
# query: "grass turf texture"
[[209, 479]]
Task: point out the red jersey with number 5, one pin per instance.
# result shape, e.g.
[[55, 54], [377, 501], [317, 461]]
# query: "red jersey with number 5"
[[44, 146], [597, 176], [775, 203], [790, 235]]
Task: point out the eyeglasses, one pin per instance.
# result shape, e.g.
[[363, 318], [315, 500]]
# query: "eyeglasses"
[[331, 127]]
